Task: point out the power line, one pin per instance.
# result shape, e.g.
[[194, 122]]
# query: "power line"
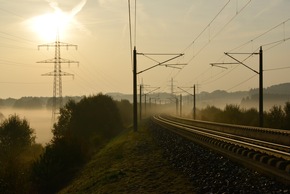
[[16, 64], [276, 43], [204, 46], [215, 35], [14, 36], [12, 13], [278, 68], [262, 34], [242, 82], [25, 83], [130, 32], [207, 26], [237, 13]]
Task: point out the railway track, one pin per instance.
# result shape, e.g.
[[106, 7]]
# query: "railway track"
[[264, 150]]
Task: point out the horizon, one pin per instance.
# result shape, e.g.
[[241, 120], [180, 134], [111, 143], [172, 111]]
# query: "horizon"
[[202, 30], [109, 93]]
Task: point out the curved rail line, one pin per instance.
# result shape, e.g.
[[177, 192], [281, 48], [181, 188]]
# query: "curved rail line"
[[264, 154]]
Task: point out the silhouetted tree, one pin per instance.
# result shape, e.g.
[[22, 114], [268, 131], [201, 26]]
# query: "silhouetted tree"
[[232, 114], [16, 137], [28, 103], [250, 117], [126, 113], [81, 128], [287, 116], [210, 113], [275, 117], [92, 116], [1, 117]]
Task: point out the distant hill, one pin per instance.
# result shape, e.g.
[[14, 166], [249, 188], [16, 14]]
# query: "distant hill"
[[273, 95], [30, 102], [280, 89]]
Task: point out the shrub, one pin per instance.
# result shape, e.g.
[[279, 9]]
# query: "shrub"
[[56, 166], [81, 128], [16, 142], [287, 116], [210, 113], [275, 117]]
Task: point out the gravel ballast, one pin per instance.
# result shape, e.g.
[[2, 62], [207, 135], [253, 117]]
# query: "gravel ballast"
[[211, 172]]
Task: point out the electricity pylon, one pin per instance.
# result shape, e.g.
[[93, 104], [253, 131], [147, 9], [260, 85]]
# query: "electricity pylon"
[[57, 73]]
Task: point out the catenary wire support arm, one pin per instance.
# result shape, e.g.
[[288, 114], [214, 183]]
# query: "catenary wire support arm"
[[135, 73], [260, 73], [174, 65], [194, 99], [220, 65], [161, 63], [240, 62], [157, 88], [185, 90], [145, 100]]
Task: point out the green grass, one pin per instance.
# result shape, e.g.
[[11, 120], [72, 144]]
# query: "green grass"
[[130, 163]]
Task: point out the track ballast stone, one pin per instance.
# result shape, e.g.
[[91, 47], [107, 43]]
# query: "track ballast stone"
[[211, 172]]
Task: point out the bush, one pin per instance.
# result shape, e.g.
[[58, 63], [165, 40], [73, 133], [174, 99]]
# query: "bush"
[[251, 117], [80, 129], [56, 166], [277, 117], [125, 109], [15, 135], [232, 114], [287, 116], [210, 113], [16, 153], [92, 116]]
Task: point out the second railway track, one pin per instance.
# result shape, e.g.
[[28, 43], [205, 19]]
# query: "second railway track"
[[268, 154]]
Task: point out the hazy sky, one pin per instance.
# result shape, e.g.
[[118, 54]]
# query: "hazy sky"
[[100, 28]]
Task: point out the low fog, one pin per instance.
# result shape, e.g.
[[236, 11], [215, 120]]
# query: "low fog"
[[39, 120]]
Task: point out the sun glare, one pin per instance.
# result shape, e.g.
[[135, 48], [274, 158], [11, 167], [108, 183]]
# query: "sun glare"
[[47, 26]]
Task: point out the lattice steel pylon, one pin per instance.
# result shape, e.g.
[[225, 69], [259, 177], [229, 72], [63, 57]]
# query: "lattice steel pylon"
[[57, 73]]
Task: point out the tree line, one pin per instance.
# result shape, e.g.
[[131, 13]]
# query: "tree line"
[[82, 129], [277, 117]]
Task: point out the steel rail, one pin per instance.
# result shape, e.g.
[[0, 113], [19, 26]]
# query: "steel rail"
[[265, 134], [273, 162], [243, 141]]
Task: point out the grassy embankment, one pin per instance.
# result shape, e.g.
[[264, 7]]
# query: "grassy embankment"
[[130, 163]]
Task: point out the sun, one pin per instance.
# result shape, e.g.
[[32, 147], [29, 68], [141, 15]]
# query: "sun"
[[48, 26]]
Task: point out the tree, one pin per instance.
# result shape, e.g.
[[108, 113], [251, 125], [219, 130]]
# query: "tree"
[[232, 114], [92, 116], [210, 113], [275, 117], [81, 128], [250, 117], [1, 117], [125, 109], [28, 103], [15, 135], [287, 116]]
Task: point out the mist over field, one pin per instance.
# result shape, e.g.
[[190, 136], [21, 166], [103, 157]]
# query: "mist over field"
[[39, 120]]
